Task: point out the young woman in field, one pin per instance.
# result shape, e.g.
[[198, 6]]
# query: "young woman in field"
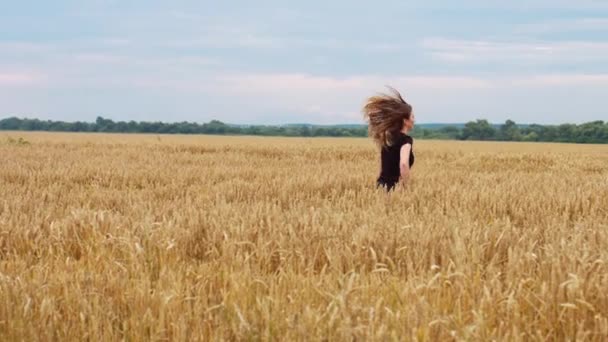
[[389, 120]]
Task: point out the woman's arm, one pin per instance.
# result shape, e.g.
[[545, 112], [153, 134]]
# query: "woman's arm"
[[404, 162]]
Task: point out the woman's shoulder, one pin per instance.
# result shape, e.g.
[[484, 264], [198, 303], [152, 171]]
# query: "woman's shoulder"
[[406, 139]]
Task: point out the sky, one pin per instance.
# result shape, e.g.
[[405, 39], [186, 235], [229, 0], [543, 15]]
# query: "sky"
[[315, 61]]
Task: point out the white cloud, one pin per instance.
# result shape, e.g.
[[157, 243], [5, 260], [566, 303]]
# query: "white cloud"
[[16, 78], [23, 47], [520, 5], [462, 51], [564, 25], [287, 82], [301, 97], [326, 99], [92, 59], [568, 80], [240, 39], [272, 82], [99, 58], [116, 41]]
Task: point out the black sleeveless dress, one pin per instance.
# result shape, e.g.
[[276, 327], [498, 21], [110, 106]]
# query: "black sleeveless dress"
[[390, 155]]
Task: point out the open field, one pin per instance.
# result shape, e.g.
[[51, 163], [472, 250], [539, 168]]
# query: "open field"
[[146, 237]]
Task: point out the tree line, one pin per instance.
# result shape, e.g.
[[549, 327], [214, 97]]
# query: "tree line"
[[594, 132], [590, 132]]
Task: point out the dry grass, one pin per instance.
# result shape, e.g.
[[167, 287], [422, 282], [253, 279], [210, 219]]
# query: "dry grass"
[[111, 237]]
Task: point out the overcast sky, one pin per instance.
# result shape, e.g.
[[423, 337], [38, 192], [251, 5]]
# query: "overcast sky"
[[315, 61]]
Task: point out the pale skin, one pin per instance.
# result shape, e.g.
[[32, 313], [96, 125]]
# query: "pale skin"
[[404, 155]]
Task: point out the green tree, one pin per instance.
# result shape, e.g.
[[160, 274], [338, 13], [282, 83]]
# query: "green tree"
[[104, 125], [11, 124], [215, 127], [478, 130], [532, 136], [509, 131]]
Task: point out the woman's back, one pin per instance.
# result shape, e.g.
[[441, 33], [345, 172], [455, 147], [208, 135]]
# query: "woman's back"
[[390, 157]]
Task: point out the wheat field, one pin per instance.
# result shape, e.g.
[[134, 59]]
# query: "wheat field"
[[202, 238]]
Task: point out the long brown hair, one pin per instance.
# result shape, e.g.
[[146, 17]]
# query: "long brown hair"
[[385, 114]]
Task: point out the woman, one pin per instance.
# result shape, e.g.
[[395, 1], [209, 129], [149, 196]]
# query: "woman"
[[390, 119]]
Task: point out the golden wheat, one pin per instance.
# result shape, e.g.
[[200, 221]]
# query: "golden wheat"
[[146, 237]]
